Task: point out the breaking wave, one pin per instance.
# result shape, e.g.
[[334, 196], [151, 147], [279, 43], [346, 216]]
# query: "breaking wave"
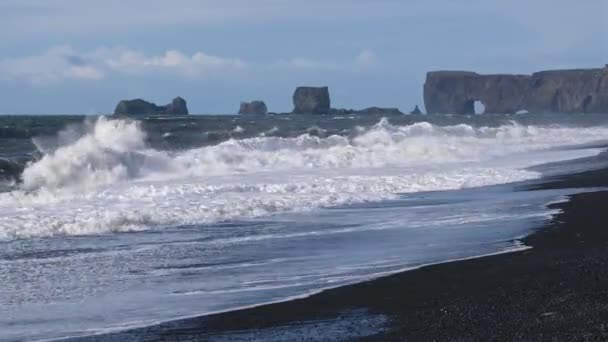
[[108, 151], [103, 177], [10, 170]]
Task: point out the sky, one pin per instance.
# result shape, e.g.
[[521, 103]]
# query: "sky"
[[82, 57]]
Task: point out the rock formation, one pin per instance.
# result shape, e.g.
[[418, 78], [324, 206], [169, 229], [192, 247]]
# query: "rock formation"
[[370, 110], [559, 91], [140, 107], [568, 91], [254, 107], [177, 107], [311, 100], [416, 111], [380, 111]]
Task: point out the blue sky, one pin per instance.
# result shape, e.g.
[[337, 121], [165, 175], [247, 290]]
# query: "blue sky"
[[77, 56]]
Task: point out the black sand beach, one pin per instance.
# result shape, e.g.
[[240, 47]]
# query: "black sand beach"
[[556, 291]]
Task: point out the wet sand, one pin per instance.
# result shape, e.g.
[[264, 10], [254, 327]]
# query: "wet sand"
[[556, 291]]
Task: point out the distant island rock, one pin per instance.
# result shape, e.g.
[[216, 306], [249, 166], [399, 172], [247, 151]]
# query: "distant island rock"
[[556, 91], [316, 100], [140, 107], [380, 110], [253, 107], [311, 100], [370, 110], [416, 111]]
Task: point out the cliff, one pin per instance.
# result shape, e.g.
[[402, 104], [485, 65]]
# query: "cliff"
[[140, 107], [558, 91]]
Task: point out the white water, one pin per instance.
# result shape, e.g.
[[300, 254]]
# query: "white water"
[[257, 220], [108, 180]]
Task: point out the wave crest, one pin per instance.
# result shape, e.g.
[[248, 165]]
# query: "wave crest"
[[108, 151], [106, 179]]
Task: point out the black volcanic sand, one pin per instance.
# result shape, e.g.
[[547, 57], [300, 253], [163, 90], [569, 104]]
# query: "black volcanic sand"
[[556, 291]]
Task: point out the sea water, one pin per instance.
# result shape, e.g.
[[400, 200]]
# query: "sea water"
[[113, 223]]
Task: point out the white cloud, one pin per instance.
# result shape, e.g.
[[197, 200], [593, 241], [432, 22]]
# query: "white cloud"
[[366, 58], [172, 61], [57, 64], [64, 63]]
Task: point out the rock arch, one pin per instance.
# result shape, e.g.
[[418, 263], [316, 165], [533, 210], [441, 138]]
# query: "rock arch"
[[479, 107], [561, 91]]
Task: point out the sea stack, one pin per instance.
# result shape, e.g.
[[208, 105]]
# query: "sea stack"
[[416, 111], [141, 107], [253, 107], [311, 100], [556, 91]]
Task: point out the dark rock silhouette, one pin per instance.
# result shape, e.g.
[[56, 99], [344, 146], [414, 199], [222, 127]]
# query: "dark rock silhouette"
[[254, 107], [316, 100], [455, 92], [140, 107], [416, 111], [370, 110], [177, 107], [311, 100], [558, 91], [379, 110], [568, 91]]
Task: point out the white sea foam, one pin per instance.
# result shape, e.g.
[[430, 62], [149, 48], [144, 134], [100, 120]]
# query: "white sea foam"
[[109, 180], [111, 151]]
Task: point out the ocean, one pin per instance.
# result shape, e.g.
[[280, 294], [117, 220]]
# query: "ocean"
[[108, 224]]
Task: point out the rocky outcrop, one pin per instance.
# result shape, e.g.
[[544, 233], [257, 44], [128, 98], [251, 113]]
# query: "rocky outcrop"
[[370, 110], [568, 91], [380, 111], [559, 91], [140, 107], [455, 92], [177, 107], [416, 111], [311, 100], [254, 107]]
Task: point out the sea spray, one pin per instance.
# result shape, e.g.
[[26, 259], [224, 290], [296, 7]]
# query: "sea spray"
[[106, 178], [105, 152], [227, 224]]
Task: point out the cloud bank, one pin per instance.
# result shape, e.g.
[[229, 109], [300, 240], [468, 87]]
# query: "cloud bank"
[[55, 65], [197, 65], [64, 63]]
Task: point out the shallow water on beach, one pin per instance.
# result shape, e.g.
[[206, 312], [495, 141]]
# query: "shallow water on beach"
[[117, 223]]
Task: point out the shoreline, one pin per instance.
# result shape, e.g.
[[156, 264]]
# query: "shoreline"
[[129, 331], [515, 295]]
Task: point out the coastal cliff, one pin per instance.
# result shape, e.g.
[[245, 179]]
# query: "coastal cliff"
[[558, 91]]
